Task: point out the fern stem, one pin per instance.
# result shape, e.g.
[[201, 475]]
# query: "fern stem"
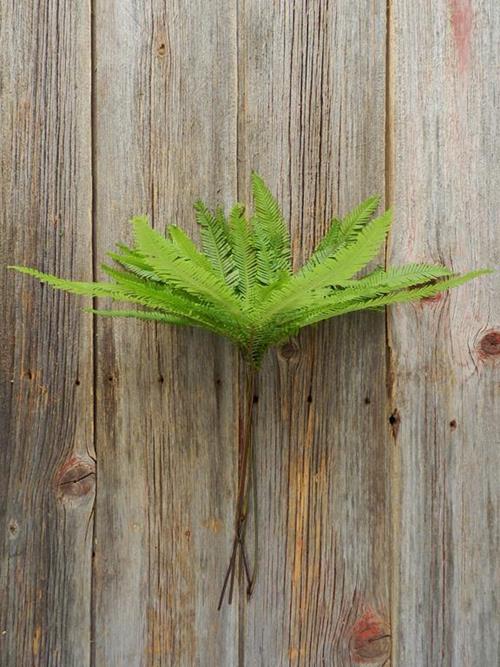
[[253, 484], [245, 481]]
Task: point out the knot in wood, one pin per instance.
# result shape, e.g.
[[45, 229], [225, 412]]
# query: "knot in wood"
[[489, 345], [289, 350], [75, 478], [370, 639], [394, 421], [13, 528]]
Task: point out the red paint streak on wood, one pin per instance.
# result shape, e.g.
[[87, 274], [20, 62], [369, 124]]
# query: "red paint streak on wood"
[[370, 638], [432, 299], [461, 24]]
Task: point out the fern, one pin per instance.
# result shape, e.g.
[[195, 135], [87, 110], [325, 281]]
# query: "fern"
[[214, 235], [272, 239], [241, 286], [142, 315], [342, 230], [243, 249]]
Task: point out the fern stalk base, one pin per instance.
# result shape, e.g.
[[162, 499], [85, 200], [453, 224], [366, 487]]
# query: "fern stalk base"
[[246, 484]]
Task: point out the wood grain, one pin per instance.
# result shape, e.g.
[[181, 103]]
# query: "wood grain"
[[445, 352], [376, 437], [47, 467], [165, 133], [322, 447]]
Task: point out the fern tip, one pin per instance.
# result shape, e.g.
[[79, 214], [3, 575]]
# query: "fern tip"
[[138, 220], [23, 269]]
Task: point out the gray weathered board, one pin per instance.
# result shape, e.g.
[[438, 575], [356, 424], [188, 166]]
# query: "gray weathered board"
[[377, 436]]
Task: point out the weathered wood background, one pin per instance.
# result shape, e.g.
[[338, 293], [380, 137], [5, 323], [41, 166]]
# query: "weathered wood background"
[[378, 438]]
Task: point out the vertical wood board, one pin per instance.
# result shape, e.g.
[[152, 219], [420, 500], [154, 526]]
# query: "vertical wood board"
[[165, 124], [445, 185], [47, 467], [322, 453]]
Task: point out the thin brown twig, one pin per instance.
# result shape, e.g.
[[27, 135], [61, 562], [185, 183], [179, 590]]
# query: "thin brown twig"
[[245, 448], [251, 580]]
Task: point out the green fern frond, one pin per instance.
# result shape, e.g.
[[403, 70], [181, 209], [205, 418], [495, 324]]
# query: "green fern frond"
[[187, 249], [361, 301], [178, 304], [397, 277], [267, 272], [128, 290], [241, 285], [71, 286], [180, 271], [215, 242], [328, 244], [334, 270], [164, 318], [135, 264], [359, 217], [342, 231], [243, 250], [271, 230]]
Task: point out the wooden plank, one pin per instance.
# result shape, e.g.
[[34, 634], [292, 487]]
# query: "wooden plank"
[[446, 182], [312, 112], [165, 123], [47, 467]]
